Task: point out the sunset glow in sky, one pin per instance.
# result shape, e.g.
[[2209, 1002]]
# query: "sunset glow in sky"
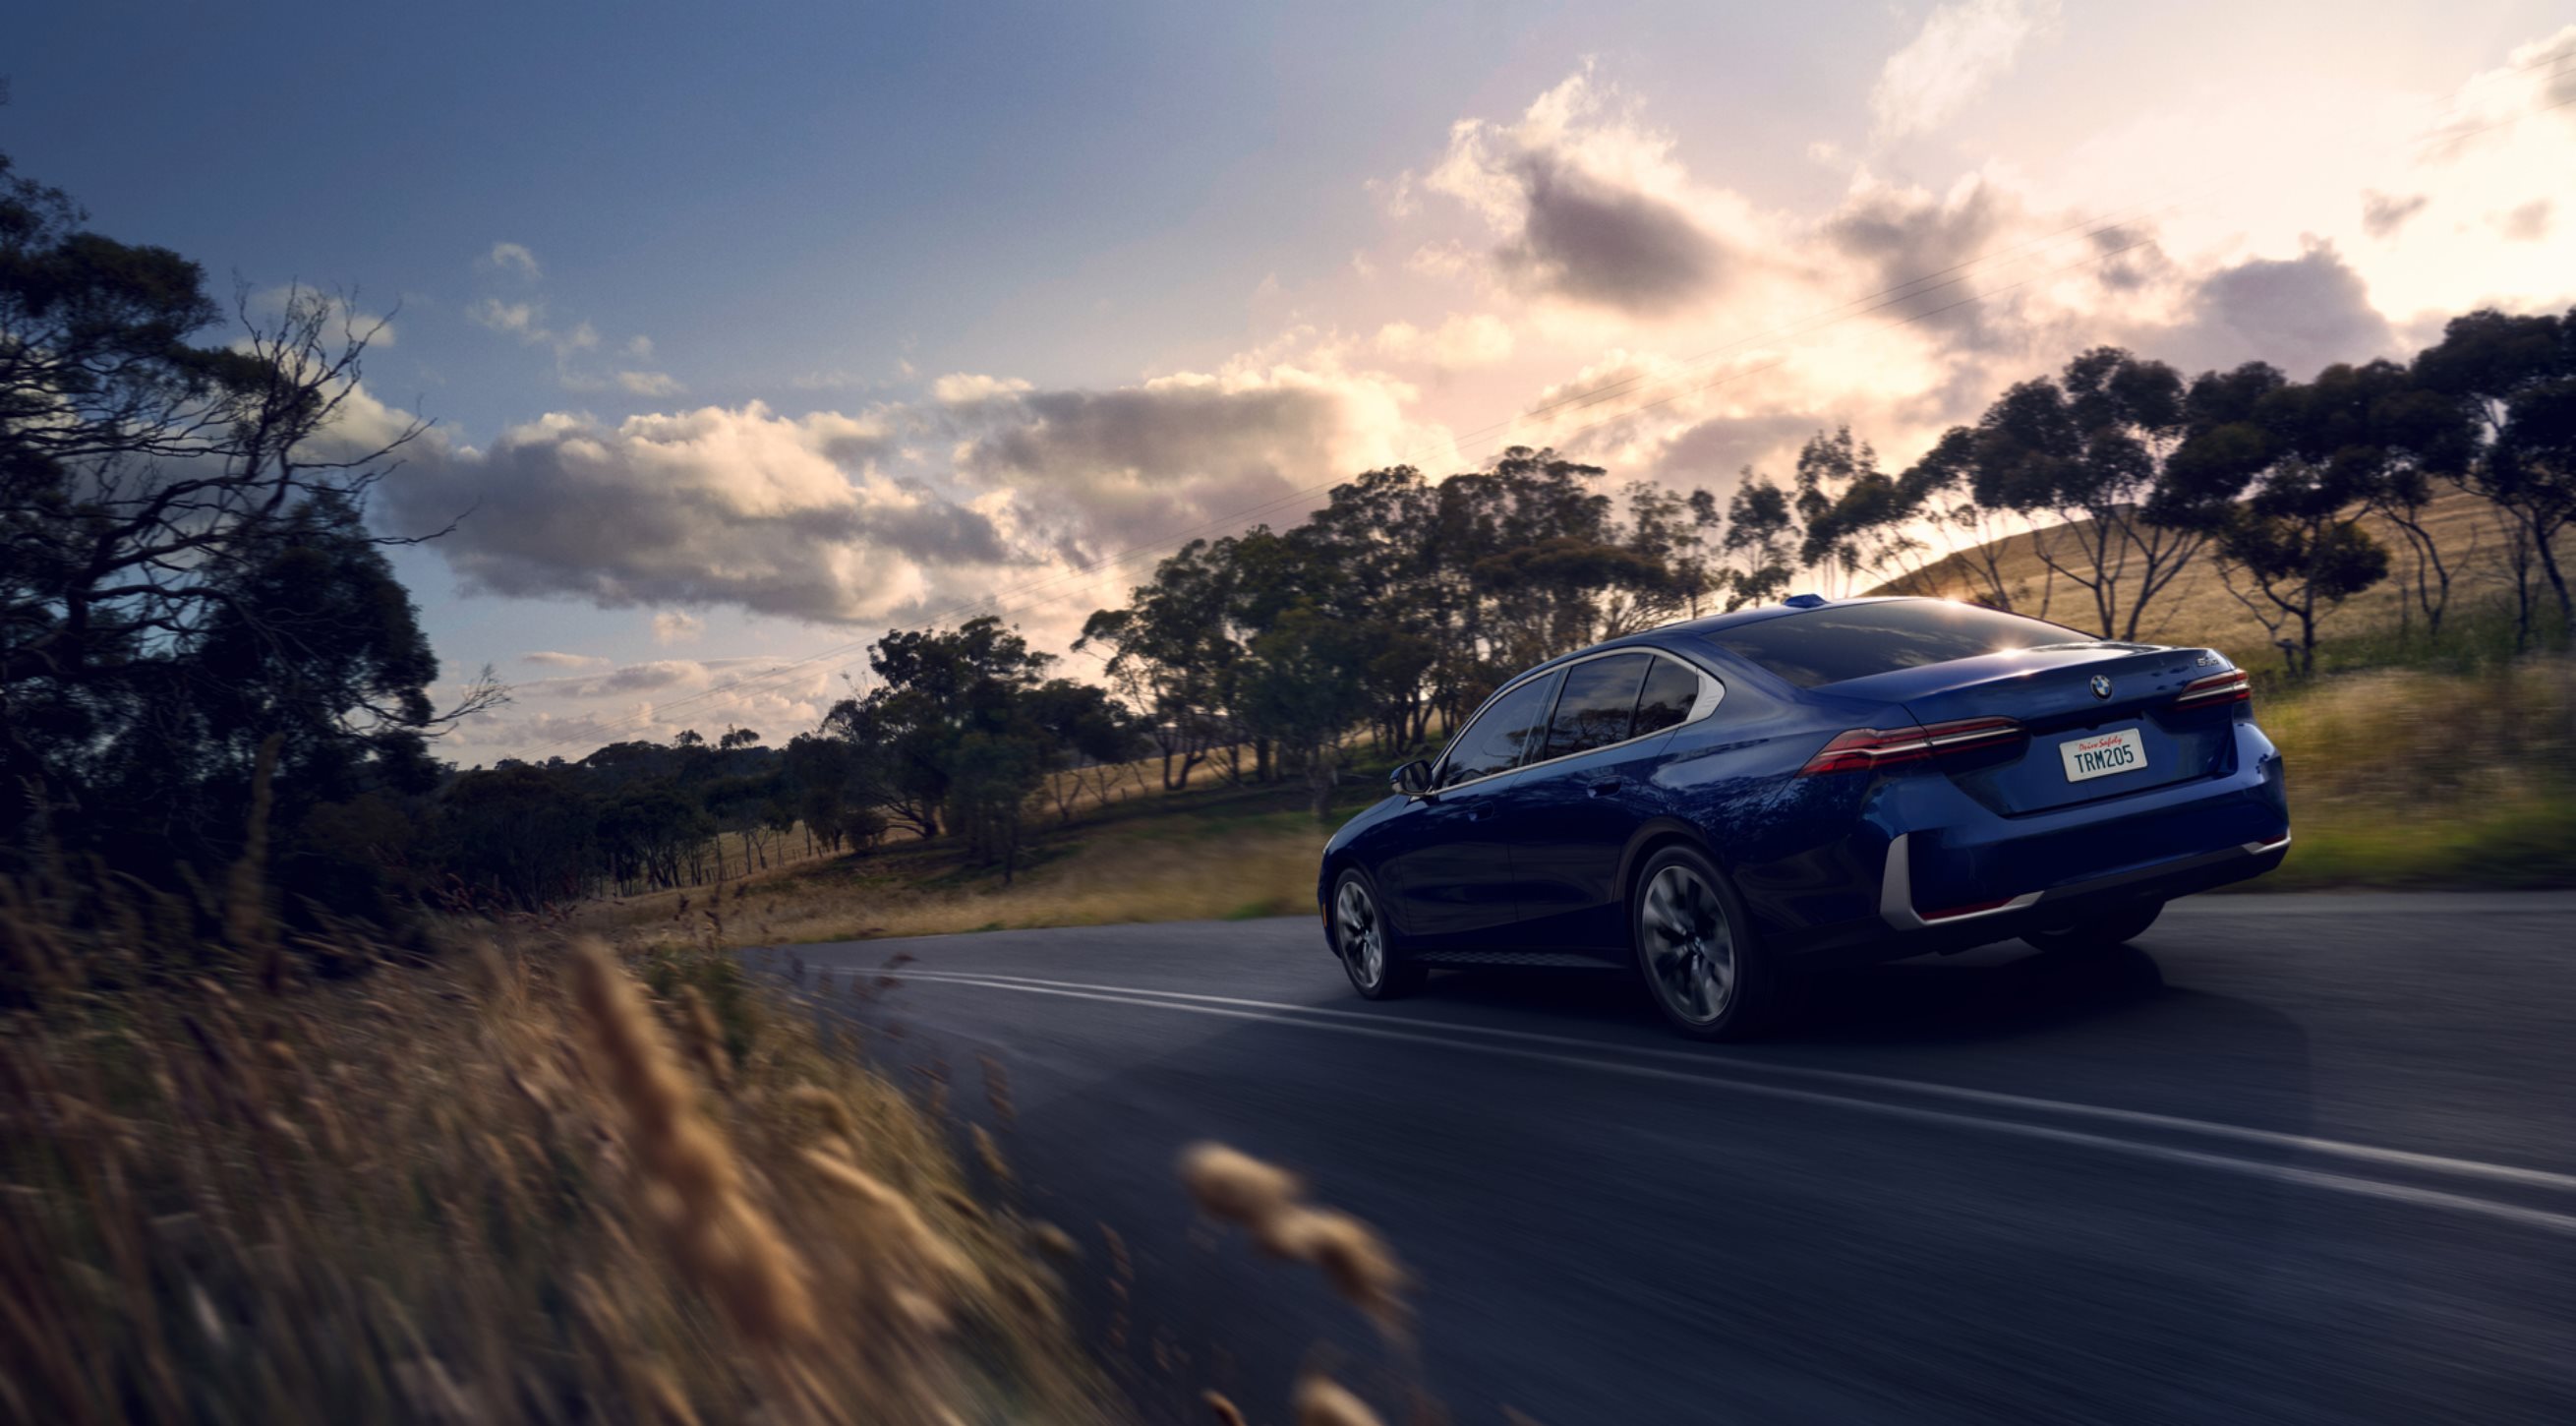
[[751, 332]]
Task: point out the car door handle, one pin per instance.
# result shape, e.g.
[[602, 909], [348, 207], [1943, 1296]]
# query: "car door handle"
[[1603, 788]]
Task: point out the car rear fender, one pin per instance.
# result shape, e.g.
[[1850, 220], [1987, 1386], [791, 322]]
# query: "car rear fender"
[[1656, 834]]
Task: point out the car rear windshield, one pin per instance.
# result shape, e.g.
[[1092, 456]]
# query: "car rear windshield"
[[1829, 645]]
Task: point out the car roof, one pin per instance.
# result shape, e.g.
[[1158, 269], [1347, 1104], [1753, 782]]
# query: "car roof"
[[1663, 634]]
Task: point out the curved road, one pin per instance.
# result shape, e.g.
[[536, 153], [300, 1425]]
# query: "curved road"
[[2298, 1158]]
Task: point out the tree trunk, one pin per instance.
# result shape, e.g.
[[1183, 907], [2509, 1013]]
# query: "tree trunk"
[[1322, 772], [2540, 540]]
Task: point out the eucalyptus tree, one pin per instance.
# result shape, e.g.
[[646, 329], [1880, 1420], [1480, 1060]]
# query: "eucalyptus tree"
[[2278, 475], [1761, 543], [2514, 379], [2088, 449], [186, 572]]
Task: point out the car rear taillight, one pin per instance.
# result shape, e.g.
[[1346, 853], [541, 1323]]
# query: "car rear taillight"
[[1885, 747], [2232, 686]]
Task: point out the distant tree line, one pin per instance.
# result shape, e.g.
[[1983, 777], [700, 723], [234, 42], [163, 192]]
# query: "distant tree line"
[[1405, 600], [192, 605]]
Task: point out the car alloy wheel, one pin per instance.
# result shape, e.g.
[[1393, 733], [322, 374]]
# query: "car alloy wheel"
[[1357, 931], [1689, 944]]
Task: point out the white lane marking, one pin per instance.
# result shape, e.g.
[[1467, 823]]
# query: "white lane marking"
[[1724, 1067], [2545, 1219]]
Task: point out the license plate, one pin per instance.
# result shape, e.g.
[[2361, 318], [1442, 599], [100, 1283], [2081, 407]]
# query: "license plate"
[[2103, 754]]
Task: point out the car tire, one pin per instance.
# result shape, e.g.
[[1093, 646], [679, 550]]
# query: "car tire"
[[2098, 932], [1695, 948], [1357, 925]]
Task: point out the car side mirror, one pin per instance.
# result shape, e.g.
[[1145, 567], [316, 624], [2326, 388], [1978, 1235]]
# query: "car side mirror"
[[1413, 779]]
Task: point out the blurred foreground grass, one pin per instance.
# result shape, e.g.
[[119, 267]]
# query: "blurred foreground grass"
[[532, 1179]]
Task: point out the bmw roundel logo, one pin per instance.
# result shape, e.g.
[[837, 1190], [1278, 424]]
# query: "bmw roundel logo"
[[2101, 685]]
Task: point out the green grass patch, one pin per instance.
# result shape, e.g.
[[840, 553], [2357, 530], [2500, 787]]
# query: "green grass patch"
[[2526, 842]]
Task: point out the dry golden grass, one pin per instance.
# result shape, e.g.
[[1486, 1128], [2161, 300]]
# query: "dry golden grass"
[[1321, 1401], [509, 1183], [1170, 867]]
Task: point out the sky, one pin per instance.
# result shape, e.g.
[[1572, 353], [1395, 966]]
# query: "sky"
[[750, 332]]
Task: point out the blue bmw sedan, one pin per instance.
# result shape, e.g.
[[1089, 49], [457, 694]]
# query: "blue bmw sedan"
[[1724, 802]]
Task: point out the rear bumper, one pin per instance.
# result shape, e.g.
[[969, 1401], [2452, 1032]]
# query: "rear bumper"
[[1900, 930], [2058, 904]]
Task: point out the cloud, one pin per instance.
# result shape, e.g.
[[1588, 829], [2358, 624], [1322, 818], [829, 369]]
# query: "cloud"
[[2526, 222], [1087, 470], [1907, 237], [2535, 77], [1589, 240], [1962, 49], [843, 519], [675, 626], [512, 258], [527, 322], [632, 678], [341, 320], [518, 319], [967, 388], [1710, 452], [1588, 203], [1462, 340], [2382, 214], [2300, 314], [834, 379], [650, 383], [712, 506], [551, 659]]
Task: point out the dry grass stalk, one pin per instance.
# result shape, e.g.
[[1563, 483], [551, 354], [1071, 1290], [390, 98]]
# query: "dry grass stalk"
[[1353, 1259], [990, 1154], [997, 1089], [1322, 1402], [1235, 1187], [1223, 1409], [921, 1270], [705, 1037], [1054, 1242], [1263, 1200], [695, 1189]]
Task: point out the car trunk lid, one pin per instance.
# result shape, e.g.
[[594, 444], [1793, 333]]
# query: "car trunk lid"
[[2099, 715]]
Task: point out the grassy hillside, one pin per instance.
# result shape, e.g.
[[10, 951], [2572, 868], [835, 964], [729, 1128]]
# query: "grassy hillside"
[[2197, 608]]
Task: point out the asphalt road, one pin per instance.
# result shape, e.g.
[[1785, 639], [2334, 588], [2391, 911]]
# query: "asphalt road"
[[2286, 1159]]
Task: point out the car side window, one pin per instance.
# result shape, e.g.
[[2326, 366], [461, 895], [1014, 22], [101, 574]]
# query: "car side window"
[[1672, 691], [1594, 710], [1494, 740]]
